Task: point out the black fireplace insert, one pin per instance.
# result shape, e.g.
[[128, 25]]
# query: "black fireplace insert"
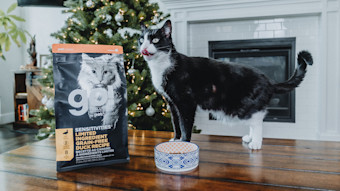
[[274, 57]]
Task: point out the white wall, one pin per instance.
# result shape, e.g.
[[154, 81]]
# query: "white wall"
[[315, 24], [40, 21], [12, 62]]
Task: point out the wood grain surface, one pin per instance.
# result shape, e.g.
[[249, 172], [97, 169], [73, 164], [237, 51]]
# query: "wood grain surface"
[[225, 164]]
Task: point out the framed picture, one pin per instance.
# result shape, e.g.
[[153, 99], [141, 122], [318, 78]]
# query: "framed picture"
[[45, 60]]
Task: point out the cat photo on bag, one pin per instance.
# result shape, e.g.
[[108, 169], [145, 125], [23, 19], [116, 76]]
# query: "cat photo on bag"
[[100, 78], [229, 91]]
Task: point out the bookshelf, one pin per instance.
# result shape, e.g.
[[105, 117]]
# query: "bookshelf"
[[27, 95]]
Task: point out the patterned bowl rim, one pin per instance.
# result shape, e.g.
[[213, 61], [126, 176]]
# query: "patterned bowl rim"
[[169, 142]]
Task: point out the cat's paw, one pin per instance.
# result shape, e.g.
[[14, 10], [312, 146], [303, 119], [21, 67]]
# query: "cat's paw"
[[255, 145], [246, 138], [91, 116], [91, 112]]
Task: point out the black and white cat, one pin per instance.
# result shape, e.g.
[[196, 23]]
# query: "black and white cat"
[[229, 91]]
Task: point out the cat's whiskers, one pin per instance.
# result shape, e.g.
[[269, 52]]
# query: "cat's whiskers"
[[163, 47]]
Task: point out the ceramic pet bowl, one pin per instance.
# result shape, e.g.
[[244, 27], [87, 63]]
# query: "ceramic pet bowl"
[[176, 156]]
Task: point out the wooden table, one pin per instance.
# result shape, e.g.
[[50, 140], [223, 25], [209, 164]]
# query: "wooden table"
[[224, 165]]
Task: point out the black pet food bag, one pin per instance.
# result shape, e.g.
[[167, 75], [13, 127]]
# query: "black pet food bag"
[[90, 106]]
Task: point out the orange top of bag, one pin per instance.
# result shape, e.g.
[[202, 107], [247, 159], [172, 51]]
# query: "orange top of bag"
[[87, 48]]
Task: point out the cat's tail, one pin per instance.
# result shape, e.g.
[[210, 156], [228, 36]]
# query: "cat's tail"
[[304, 58]]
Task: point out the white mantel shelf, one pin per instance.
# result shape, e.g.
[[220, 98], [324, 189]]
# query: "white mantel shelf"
[[308, 5], [249, 7], [322, 84]]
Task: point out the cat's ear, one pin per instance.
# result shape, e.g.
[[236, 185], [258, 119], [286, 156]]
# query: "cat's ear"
[[85, 56], [167, 29], [142, 26], [115, 58]]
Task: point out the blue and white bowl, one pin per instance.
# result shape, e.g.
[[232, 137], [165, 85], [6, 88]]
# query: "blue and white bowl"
[[176, 156]]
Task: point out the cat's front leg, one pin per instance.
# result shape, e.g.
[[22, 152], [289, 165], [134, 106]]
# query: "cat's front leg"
[[111, 110], [175, 121], [111, 113], [186, 118], [93, 110]]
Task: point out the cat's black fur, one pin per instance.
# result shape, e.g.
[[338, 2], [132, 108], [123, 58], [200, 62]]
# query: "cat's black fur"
[[237, 90]]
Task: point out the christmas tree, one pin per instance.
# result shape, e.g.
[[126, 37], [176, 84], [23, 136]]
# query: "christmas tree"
[[113, 23], [44, 116]]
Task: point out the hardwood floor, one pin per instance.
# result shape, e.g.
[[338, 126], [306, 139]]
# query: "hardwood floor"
[[11, 139], [224, 164]]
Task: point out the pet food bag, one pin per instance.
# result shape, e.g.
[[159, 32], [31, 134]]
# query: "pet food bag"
[[90, 105]]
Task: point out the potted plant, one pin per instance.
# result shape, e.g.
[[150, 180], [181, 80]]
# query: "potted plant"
[[9, 31]]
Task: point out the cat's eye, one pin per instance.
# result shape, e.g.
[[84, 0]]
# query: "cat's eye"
[[155, 40], [93, 71], [105, 72], [141, 40]]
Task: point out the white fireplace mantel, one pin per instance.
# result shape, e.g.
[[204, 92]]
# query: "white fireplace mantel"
[[188, 13], [199, 10]]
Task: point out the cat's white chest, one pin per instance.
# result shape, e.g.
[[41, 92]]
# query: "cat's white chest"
[[158, 66]]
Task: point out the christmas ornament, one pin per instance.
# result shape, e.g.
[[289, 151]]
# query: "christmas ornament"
[[44, 100], [89, 3], [50, 103], [155, 19], [119, 18], [150, 111], [132, 69]]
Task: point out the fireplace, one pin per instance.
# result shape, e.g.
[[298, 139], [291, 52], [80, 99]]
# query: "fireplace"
[[274, 57]]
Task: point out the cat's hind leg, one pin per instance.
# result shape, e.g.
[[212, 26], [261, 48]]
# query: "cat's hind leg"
[[248, 138], [256, 123], [256, 141]]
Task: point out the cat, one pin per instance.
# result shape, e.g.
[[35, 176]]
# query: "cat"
[[229, 91], [96, 74]]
